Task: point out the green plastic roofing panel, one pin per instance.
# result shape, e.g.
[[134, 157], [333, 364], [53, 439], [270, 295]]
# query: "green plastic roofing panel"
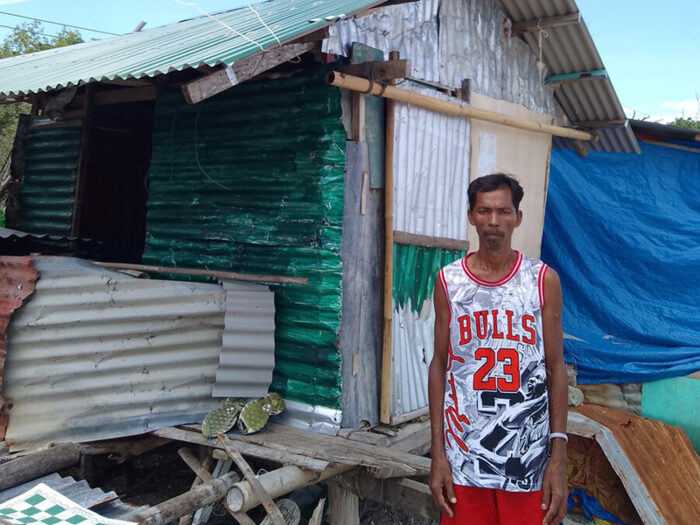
[[221, 38], [415, 270], [252, 181], [47, 197]]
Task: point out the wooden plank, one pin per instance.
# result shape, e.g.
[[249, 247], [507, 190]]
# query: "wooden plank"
[[358, 117], [249, 449], [363, 436], [672, 146], [379, 70], [344, 506], [207, 273], [374, 117], [383, 462], [417, 443], [430, 242], [360, 326], [242, 70], [550, 22]]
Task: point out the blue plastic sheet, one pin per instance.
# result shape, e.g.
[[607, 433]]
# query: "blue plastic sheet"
[[590, 506], [623, 232]]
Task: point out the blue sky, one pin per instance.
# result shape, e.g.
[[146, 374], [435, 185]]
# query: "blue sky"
[[651, 49]]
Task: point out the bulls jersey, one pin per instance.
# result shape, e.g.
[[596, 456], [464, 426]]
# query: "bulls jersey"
[[496, 412]]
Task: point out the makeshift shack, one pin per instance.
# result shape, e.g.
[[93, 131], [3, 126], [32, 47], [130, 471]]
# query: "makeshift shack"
[[321, 148]]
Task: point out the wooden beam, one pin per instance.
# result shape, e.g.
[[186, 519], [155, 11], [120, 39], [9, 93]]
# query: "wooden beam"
[[341, 80], [83, 158], [32, 466], [388, 306], [428, 241], [550, 22], [123, 96], [343, 505], [596, 124], [242, 70], [207, 273], [358, 128], [268, 504], [249, 449], [379, 71], [205, 494], [406, 494]]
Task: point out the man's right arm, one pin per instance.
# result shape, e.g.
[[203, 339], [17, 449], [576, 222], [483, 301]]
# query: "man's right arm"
[[440, 471]]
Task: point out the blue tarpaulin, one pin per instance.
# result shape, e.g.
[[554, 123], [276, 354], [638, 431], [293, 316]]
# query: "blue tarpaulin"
[[623, 232]]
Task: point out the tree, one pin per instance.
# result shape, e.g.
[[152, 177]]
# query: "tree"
[[687, 123], [25, 38]]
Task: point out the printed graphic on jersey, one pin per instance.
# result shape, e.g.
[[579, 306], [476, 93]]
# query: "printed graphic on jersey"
[[496, 406]]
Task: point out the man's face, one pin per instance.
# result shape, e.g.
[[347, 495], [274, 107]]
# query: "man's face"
[[495, 218]]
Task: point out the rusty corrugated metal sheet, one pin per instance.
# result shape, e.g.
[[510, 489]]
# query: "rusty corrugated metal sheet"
[[662, 460], [97, 354], [17, 281]]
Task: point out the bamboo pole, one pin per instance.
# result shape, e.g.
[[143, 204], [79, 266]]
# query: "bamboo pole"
[[385, 385], [389, 92], [206, 273]]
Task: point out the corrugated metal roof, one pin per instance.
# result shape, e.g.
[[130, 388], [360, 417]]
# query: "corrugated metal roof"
[[17, 282], [97, 354], [655, 462], [188, 44], [105, 504], [570, 49]]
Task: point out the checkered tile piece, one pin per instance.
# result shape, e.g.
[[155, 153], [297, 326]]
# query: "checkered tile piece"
[[44, 506]]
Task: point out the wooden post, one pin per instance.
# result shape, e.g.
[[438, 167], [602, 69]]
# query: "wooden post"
[[344, 506], [385, 396], [82, 164]]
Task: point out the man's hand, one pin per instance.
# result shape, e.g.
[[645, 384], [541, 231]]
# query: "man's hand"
[[441, 484], [554, 487]]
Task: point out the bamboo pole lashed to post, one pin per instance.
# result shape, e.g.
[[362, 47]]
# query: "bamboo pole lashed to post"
[[385, 386], [389, 92]]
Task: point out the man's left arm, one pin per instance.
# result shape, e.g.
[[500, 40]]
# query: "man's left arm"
[[554, 484]]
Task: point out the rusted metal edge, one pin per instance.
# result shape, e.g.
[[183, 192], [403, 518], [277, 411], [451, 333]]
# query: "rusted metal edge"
[[17, 282], [583, 426]]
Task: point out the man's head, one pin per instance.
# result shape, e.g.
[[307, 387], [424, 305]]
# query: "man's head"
[[493, 209]]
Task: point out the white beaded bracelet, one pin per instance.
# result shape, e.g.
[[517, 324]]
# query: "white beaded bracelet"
[[561, 435]]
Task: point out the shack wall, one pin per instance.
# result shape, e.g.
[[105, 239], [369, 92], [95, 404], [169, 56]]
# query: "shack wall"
[[252, 181]]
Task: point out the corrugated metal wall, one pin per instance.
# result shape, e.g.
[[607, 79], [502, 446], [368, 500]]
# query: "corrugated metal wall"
[[252, 181], [447, 41], [96, 354], [47, 197], [415, 270]]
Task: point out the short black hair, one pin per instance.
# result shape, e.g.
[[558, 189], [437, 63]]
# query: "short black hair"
[[493, 182]]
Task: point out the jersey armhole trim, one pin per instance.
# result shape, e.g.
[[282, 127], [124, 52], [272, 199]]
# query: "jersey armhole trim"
[[540, 283], [443, 283]]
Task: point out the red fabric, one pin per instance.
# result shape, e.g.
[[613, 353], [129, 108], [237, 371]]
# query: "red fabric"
[[479, 506]]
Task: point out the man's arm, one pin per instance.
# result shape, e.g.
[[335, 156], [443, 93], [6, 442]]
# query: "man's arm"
[[554, 484], [440, 471]]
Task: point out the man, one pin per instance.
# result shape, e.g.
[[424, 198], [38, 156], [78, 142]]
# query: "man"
[[497, 382]]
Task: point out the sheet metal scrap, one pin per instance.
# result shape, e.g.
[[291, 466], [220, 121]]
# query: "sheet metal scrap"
[[17, 282]]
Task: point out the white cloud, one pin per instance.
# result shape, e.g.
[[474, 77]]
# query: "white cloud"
[[7, 2], [665, 112]]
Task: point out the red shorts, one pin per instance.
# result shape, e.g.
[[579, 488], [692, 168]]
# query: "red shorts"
[[479, 506]]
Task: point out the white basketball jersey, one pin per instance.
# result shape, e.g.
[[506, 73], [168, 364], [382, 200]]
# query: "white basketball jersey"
[[496, 412]]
